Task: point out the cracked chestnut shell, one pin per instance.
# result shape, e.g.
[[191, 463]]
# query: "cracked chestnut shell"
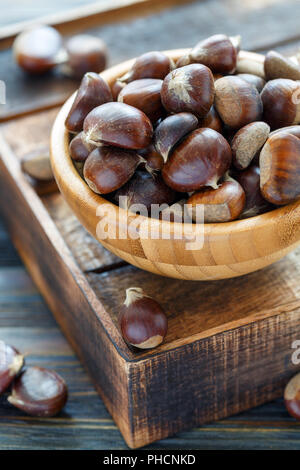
[[144, 94], [188, 89], [93, 91], [153, 64], [281, 103], [142, 320], [237, 102], [108, 168], [292, 397], [11, 363], [39, 392], [279, 163], [171, 130], [201, 159], [118, 124]]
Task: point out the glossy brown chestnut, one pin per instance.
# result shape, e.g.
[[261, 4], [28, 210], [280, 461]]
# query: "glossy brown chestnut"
[[171, 130], [292, 397], [281, 102], [254, 80], [108, 168], [118, 124], [212, 120], [145, 188], [11, 363], [116, 87], [93, 91], [79, 149], [142, 320], [188, 89], [37, 50], [177, 212], [152, 64], [237, 102], [218, 52], [153, 160], [39, 392], [279, 163], [144, 94], [249, 179], [223, 204], [201, 159], [278, 66], [247, 142], [86, 53]]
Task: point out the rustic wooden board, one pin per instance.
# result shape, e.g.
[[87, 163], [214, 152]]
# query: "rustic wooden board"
[[233, 337]]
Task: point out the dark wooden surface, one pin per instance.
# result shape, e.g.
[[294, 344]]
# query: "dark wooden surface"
[[26, 322]]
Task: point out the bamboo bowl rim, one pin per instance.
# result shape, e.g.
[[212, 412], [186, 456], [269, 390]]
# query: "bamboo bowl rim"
[[68, 179]]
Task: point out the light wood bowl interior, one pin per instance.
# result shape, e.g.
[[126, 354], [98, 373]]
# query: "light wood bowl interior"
[[230, 249]]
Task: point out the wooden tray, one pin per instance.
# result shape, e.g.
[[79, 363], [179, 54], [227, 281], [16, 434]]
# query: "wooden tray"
[[229, 343]]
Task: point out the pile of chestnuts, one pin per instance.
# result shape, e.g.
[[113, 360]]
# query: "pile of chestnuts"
[[201, 131], [35, 390], [41, 48]]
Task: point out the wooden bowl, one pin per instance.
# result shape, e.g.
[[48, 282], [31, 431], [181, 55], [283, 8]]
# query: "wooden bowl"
[[229, 249]]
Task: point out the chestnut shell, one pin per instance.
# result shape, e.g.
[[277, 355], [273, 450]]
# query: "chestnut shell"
[[11, 362]]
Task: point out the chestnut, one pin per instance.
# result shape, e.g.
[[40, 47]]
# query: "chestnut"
[[86, 53], [278, 66], [37, 164], [144, 94], [247, 142], [108, 168], [116, 87], [222, 204], [279, 163], [294, 130], [93, 91], [171, 130], [177, 212], [237, 102], [189, 89], [281, 103], [118, 124], [201, 159], [79, 149], [152, 64], [212, 120], [249, 179], [145, 188], [250, 64], [258, 82], [11, 363], [142, 320], [218, 52], [292, 397], [39, 392], [153, 159], [37, 49]]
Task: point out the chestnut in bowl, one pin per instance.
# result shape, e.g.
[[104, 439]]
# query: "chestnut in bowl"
[[230, 249]]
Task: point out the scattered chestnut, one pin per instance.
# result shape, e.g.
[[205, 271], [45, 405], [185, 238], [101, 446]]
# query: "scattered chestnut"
[[278, 66], [222, 204], [145, 188], [249, 179], [86, 53], [281, 103], [144, 94], [37, 50], [118, 124], [79, 149], [201, 159], [255, 80], [93, 91], [218, 52], [142, 320], [247, 142], [212, 120], [39, 392], [171, 130], [190, 89], [292, 397], [237, 102], [37, 164], [11, 363], [108, 168], [152, 64], [279, 163]]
